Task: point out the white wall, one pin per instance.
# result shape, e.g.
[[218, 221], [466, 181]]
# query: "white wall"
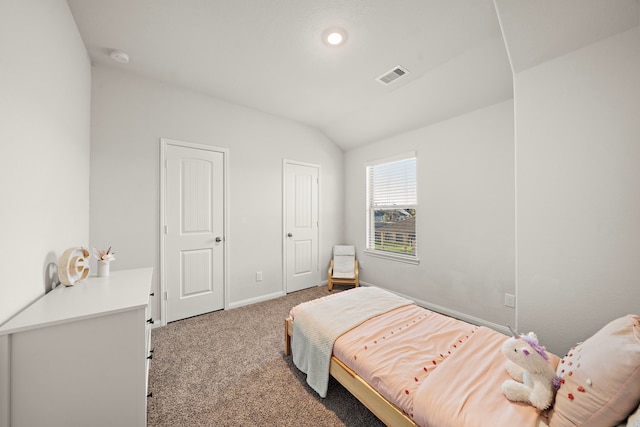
[[45, 81], [578, 190], [466, 230], [129, 116]]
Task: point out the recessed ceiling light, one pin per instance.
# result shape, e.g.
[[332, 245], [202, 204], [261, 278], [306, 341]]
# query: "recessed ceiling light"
[[119, 56], [334, 36]]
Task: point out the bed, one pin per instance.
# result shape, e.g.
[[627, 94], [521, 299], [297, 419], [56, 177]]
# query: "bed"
[[413, 367]]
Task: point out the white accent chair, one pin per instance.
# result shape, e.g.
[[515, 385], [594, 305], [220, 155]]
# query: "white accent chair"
[[344, 267]]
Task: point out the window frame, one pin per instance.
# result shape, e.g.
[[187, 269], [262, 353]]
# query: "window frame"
[[370, 217]]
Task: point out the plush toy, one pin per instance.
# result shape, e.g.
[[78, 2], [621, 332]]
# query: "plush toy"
[[528, 364]]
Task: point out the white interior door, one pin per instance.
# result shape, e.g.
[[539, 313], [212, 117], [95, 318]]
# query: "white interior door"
[[194, 246], [301, 226]]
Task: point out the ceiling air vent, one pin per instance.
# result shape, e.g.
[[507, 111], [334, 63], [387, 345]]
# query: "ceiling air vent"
[[393, 75]]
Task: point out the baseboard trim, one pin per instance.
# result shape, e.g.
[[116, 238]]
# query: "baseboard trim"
[[256, 299], [449, 312]]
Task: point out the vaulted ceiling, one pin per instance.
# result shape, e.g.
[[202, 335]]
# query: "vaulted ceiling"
[[269, 54]]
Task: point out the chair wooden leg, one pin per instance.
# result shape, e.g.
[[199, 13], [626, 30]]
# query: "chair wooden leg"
[[287, 339]]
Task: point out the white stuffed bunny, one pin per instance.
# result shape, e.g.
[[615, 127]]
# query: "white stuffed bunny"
[[528, 364]]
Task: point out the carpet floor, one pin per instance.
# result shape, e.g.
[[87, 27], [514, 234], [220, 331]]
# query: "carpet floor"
[[227, 368]]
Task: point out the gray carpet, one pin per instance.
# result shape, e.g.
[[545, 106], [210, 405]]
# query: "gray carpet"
[[227, 369]]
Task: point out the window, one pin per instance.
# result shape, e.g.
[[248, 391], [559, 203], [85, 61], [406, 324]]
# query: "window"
[[391, 208]]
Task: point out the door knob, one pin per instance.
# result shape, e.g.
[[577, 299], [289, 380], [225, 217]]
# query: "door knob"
[[218, 239], [289, 235]]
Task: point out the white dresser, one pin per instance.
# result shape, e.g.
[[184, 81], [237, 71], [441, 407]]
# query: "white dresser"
[[78, 356]]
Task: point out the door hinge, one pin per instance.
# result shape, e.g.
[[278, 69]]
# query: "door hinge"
[[166, 229], [166, 295]]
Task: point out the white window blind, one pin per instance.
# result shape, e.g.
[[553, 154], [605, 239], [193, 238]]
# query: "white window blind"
[[392, 207]]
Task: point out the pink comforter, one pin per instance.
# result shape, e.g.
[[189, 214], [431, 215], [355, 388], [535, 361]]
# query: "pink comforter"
[[440, 371]]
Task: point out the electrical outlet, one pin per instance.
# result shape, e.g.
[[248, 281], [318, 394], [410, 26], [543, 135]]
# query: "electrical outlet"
[[510, 300], [258, 276]]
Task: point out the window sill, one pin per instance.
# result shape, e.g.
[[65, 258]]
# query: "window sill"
[[393, 257]]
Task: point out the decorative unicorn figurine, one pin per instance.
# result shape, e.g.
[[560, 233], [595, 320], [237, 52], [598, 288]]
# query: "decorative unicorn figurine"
[[528, 364]]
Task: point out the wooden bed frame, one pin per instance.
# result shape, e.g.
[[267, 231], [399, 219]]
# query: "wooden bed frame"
[[386, 411]]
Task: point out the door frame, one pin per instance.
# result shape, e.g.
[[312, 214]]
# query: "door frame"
[[286, 162], [164, 142]]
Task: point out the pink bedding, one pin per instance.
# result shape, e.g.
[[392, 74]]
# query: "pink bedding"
[[466, 390], [395, 353], [440, 371]]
